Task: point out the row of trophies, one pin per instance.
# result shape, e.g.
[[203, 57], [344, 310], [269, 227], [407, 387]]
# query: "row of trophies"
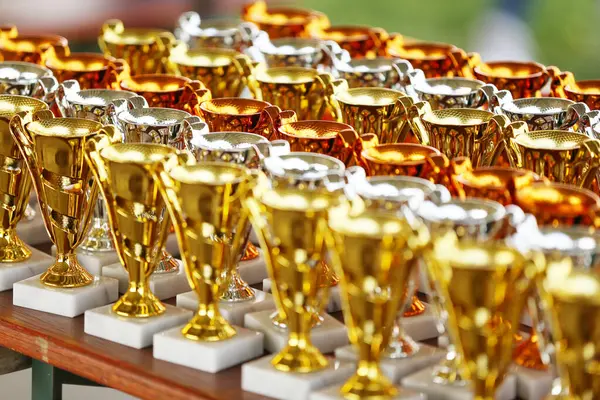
[[367, 165]]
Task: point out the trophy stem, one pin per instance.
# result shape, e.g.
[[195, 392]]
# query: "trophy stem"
[[166, 264], [368, 382], [138, 302], [99, 237], [278, 319], [327, 278], [208, 324], [12, 248], [527, 354], [401, 344], [236, 288], [66, 272]]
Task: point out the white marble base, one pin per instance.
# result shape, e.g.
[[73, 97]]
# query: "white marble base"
[[33, 232], [132, 332], [253, 237], [94, 262], [253, 271], [164, 286], [172, 246], [532, 384], [421, 327], [232, 312], [261, 377], [327, 337], [397, 368], [335, 300], [333, 393], [15, 272], [526, 319], [68, 302], [422, 381], [213, 357]]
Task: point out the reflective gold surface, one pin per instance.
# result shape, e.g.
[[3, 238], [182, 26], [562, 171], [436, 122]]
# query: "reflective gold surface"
[[521, 79], [205, 203], [15, 181], [564, 85], [358, 41], [53, 149], [137, 215], [30, 48], [371, 257]]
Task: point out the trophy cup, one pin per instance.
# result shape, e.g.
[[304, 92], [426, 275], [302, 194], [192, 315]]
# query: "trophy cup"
[[281, 22], [217, 68], [197, 33], [244, 115], [205, 203], [146, 51], [564, 85], [140, 225], [358, 41], [521, 79], [386, 72], [97, 249], [52, 149], [375, 110], [29, 48], [27, 79], [483, 288], [17, 260], [237, 298], [168, 91]]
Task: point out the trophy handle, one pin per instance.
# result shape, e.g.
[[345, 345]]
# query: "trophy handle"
[[247, 69], [559, 80], [401, 69], [592, 149], [115, 71], [249, 32], [489, 94], [333, 86], [69, 86], [319, 95], [45, 89], [194, 94], [114, 26], [499, 130], [580, 118], [400, 111], [463, 63], [271, 119], [415, 112]]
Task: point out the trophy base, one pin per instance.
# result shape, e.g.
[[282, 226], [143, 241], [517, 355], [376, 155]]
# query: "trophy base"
[[397, 368], [335, 297], [326, 337], [172, 246], [93, 261], [526, 320], [253, 271], [532, 384], [133, 332], [333, 393], [12, 272], [213, 357], [233, 312], [422, 326], [261, 377], [164, 286], [423, 382], [68, 302], [33, 232]]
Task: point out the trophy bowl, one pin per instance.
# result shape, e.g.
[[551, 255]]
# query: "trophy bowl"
[[521, 79]]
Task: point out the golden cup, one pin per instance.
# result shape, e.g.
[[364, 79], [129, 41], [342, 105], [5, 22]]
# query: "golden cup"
[[386, 72], [373, 110], [358, 41], [291, 224], [280, 22], [29, 48], [53, 152], [461, 132], [374, 253], [564, 85], [137, 215], [217, 68], [168, 91], [521, 79], [27, 79], [484, 288], [229, 114], [146, 51], [14, 178]]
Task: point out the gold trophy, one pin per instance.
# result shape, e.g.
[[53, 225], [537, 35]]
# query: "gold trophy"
[[137, 215], [15, 46], [358, 41], [564, 85], [370, 254], [521, 79], [26, 79], [53, 152], [146, 51], [484, 288], [16, 181]]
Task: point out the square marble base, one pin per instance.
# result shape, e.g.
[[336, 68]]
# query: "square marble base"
[[261, 377], [397, 368], [422, 382], [526, 319], [232, 312], [253, 237], [532, 384], [172, 246], [421, 327], [327, 337], [132, 332], [164, 286], [68, 302], [94, 261], [253, 271], [333, 393], [173, 347], [15, 272], [335, 300], [33, 232]]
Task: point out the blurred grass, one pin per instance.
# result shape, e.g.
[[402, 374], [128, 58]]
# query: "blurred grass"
[[565, 31]]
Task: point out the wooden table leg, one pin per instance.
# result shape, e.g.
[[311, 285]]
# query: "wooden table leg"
[[47, 381]]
